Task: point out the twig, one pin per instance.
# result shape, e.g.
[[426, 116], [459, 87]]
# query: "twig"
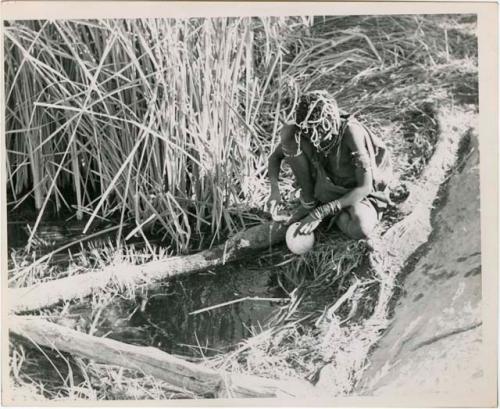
[[213, 307], [139, 226]]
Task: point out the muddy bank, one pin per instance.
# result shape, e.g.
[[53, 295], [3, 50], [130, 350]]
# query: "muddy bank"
[[434, 341]]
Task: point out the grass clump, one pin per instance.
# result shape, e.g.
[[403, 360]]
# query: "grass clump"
[[67, 378]]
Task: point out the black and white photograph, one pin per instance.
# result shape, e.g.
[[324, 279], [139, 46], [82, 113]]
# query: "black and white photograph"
[[282, 207]]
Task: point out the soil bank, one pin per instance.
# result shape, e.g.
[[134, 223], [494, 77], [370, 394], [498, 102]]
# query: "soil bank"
[[433, 344]]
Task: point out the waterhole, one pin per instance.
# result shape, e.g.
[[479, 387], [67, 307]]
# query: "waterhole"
[[240, 298]]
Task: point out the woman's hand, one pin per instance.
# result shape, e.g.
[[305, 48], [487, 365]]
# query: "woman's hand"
[[299, 214], [273, 205], [308, 224], [273, 201]]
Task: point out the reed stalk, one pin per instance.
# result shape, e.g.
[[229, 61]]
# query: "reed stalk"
[[171, 121]]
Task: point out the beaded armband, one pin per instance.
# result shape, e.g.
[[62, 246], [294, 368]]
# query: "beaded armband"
[[308, 205], [327, 209]]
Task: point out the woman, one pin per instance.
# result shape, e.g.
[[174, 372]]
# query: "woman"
[[341, 168]]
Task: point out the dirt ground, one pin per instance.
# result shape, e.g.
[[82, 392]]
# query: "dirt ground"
[[434, 342]]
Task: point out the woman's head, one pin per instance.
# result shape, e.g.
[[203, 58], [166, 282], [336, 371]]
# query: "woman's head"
[[318, 118]]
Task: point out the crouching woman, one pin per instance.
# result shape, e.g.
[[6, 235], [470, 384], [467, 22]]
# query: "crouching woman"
[[341, 168]]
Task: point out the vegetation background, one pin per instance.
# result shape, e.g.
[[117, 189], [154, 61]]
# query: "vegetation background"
[[162, 128], [167, 124]]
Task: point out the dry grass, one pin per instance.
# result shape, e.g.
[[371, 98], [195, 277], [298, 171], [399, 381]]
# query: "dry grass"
[[27, 268], [68, 379], [155, 120], [394, 72], [96, 125]]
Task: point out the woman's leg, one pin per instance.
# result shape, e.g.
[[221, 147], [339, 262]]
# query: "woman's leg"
[[359, 220], [298, 159]]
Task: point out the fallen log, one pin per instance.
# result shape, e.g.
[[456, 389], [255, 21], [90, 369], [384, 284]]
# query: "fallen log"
[[52, 292], [195, 378]]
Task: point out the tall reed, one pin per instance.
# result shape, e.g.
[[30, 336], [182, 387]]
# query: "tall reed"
[[152, 119], [169, 122]]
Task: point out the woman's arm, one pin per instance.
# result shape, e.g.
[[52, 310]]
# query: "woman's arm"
[[274, 166]]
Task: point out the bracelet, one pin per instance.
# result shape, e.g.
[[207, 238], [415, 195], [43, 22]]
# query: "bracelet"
[[307, 205], [327, 209]]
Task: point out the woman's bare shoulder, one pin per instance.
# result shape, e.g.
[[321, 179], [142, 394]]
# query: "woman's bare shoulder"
[[354, 134]]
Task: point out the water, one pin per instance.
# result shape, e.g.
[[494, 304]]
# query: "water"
[[160, 316]]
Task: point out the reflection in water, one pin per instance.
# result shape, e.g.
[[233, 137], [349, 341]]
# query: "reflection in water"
[[162, 318]]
